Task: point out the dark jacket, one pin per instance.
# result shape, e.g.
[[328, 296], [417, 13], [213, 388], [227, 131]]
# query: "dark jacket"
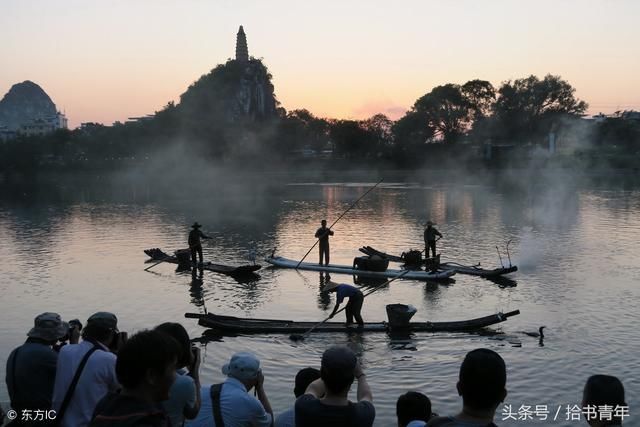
[[323, 234], [116, 410], [31, 375], [430, 234], [194, 237]]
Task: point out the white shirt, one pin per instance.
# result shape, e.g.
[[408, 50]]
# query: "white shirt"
[[98, 377], [239, 408]]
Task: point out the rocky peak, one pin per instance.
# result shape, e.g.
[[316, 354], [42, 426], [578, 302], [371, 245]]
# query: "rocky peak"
[[24, 103]]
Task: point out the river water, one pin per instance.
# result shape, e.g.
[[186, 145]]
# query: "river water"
[[79, 249]]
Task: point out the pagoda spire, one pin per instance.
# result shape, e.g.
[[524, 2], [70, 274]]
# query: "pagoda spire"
[[242, 52]]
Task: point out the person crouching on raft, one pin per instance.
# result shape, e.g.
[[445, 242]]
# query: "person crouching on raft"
[[354, 306]]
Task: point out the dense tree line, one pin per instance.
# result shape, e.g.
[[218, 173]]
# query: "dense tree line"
[[449, 120]]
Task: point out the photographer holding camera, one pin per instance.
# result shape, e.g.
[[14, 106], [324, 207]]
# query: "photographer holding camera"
[[86, 371], [184, 395], [31, 368], [72, 336]]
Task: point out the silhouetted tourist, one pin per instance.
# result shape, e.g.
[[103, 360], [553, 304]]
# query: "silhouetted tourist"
[[86, 371], [413, 409], [322, 234], [325, 402], [482, 381], [146, 368], [31, 368], [230, 403], [304, 377], [194, 242], [430, 234], [354, 305], [602, 400], [184, 396]]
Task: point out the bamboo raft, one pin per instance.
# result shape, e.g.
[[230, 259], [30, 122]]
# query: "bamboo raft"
[[158, 255], [236, 325], [347, 269], [474, 270]]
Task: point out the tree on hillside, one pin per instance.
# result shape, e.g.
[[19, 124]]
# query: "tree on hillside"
[[529, 107], [217, 107]]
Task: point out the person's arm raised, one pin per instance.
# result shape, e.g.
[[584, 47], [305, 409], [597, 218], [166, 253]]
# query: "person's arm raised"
[[190, 412], [262, 396], [364, 392]]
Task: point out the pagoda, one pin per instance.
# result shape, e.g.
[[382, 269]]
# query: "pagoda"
[[242, 52]]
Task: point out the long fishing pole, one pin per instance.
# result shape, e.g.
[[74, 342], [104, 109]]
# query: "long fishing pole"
[[336, 221]]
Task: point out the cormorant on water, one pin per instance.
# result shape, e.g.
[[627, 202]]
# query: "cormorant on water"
[[539, 334]]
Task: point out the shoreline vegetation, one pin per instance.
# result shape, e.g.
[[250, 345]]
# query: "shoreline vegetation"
[[231, 117], [134, 184]]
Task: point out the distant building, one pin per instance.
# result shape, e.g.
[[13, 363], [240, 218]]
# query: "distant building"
[[242, 51], [44, 125], [146, 118], [6, 133], [631, 115], [91, 125], [61, 121], [599, 118]]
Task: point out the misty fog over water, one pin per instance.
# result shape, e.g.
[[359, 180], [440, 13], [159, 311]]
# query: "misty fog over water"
[[77, 247]]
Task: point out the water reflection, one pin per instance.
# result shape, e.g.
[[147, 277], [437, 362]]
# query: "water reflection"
[[324, 298], [81, 252], [432, 295], [195, 290], [502, 281], [369, 282]]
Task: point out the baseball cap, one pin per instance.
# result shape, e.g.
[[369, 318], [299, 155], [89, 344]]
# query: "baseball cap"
[[242, 366], [104, 319]]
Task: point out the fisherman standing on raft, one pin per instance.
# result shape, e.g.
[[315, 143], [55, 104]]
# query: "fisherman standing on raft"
[[354, 306], [430, 234], [194, 242], [323, 234]]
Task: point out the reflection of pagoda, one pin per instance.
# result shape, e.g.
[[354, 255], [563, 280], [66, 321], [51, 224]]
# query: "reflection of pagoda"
[[242, 52]]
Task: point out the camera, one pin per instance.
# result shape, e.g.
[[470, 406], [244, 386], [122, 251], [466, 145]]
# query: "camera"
[[74, 324], [118, 341]]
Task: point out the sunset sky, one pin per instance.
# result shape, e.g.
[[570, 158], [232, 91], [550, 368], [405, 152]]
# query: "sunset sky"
[[109, 60]]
